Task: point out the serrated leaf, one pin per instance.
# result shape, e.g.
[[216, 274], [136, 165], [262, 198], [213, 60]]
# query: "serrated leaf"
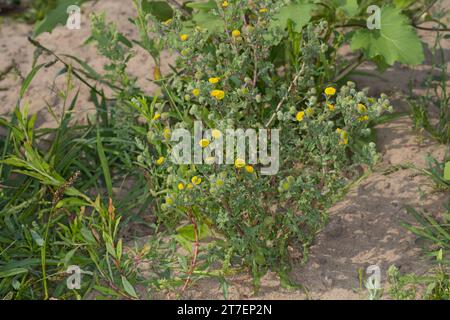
[[54, 17], [128, 287], [299, 13], [395, 41], [447, 171]]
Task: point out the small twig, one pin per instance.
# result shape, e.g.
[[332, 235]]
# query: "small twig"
[[286, 95], [349, 68], [194, 258], [430, 29]]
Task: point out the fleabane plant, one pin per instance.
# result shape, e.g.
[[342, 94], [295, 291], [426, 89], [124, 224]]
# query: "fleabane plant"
[[245, 72]]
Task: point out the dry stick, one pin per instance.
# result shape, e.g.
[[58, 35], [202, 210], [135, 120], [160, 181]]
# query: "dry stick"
[[194, 258], [286, 95]]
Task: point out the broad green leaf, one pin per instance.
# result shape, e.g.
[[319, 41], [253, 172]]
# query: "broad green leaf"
[[188, 233], [350, 7], [160, 9], [54, 17], [447, 171], [208, 21], [299, 13], [128, 287], [395, 41]]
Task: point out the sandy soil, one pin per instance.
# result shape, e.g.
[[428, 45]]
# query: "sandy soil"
[[364, 227]]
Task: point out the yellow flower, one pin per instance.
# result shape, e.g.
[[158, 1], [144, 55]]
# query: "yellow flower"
[[184, 37], [239, 163], [196, 180], [190, 186], [363, 118], [167, 22], [196, 92], [330, 91], [330, 107], [169, 201], [263, 10], [236, 33], [309, 112], [300, 115], [225, 4], [167, 133], [219, 182], [160, 161], [216, 134], [204, 143], [249, 169], [180, 186], [157, 116], [214, 80], [362, 108], [218, 94], [343, 136]]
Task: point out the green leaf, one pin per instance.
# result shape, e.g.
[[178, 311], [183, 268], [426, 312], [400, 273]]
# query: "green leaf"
[[208, 21], [37, 238], [401, 4], [350, 7], [54, 17], [160, 9], [207, 6], [104, 164], [128, 287], [447, 171], [395, 41], [188, 233], [12, 272], [299, 13]]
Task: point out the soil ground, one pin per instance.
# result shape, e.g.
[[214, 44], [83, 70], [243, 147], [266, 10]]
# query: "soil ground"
[[364, 228]]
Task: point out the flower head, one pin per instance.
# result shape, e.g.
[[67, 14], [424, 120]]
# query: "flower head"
[[196, 92], [204, 143], [225, 4], [160, 161], [216, 134], [249, 169], [167, 133], [184, 37], [196, 180], [330, 91], [214, 80], [361, 108], [300, 115], [236, 33], [263, 10], [309, 111], [239, 163], [181, 186], [218, 94], [330, 107], [157, 116]]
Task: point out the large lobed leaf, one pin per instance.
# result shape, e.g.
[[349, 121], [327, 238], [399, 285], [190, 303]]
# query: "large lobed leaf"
[[395, 41]]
